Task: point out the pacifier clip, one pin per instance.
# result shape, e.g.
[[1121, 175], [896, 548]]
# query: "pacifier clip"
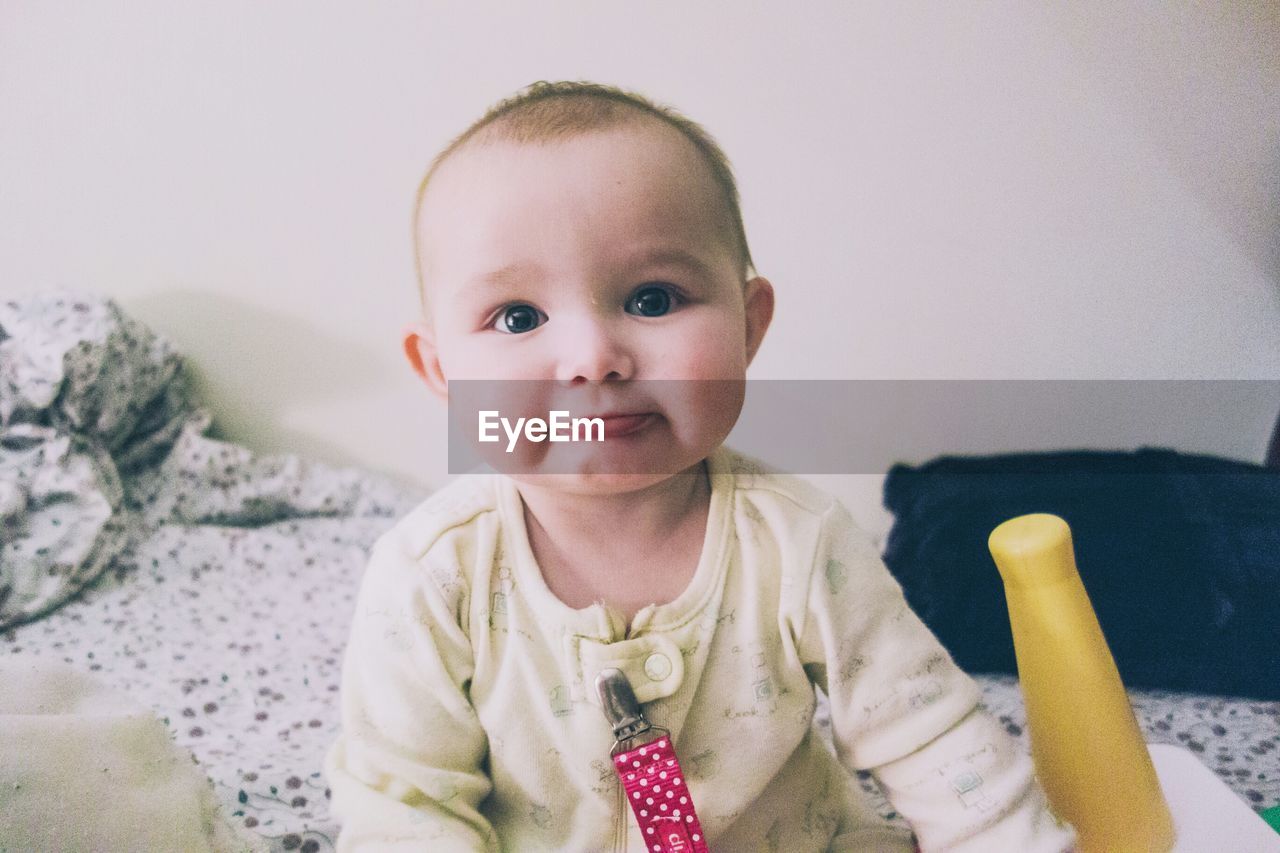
[[645, 760]]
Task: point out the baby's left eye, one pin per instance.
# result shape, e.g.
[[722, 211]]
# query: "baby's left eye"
[[652, 300]]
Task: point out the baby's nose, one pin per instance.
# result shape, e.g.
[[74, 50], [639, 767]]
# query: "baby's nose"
[[593, 352]]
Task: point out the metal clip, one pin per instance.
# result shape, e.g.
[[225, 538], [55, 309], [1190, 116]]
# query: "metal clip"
[[621, 708]]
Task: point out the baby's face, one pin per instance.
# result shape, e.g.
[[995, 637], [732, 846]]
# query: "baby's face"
[[593, 264]]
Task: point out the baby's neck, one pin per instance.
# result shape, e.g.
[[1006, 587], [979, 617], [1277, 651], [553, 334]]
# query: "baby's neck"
[[627, 550]]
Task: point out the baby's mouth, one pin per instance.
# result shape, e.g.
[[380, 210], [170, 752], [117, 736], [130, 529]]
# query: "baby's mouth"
[[617, 424]]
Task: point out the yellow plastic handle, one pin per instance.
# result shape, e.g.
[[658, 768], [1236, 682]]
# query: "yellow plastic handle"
[[1088, 750]]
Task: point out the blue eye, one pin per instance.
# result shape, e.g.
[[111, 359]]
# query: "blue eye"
[[517, 319], [650, 301]]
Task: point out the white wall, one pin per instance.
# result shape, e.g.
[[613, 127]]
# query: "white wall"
[[936, 190]]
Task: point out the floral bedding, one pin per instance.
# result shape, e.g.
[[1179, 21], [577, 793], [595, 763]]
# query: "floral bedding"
[[218, 589], [234, 636], [211, 583]]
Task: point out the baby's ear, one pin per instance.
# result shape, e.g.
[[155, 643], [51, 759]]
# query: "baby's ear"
[[420, 349], [758, 297]]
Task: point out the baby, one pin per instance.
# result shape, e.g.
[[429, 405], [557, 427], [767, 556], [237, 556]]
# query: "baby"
[[588, 239]]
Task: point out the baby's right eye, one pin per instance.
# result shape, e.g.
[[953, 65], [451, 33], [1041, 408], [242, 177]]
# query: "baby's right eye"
[[517, 319]]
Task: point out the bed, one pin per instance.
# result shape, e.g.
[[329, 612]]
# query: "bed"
[[217, 589]]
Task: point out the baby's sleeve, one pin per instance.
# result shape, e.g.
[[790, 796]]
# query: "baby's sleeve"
[[902, 709], [406, 771]]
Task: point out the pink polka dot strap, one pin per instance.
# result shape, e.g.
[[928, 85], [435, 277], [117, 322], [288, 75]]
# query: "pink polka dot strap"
[[650, 774], [655, 788]]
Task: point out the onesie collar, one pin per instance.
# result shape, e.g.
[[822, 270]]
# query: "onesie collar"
[[600, 624]]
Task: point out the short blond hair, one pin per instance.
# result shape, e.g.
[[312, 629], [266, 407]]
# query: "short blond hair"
[[546, 112]]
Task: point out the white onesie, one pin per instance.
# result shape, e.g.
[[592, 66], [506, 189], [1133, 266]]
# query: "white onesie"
[[470, 722]]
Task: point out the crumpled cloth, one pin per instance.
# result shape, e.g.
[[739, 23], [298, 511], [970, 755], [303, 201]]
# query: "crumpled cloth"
[[86, 395], [85, 768], [102, 443]]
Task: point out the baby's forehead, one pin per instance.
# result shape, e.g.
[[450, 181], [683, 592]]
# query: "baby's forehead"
[[643, 176], [602, 167], [640, 138]]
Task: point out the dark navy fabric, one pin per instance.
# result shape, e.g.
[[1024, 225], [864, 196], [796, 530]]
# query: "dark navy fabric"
[[1180, 555]]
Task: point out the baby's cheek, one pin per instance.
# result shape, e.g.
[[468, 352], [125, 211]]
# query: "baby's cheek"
[[481, 359], [702, 411], [714, 348], [718, 362]]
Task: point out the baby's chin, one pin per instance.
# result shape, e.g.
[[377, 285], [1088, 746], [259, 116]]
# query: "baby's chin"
[[593, 485]]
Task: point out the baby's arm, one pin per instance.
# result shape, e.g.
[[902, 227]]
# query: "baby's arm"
[[406, 772], [901, 708]]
